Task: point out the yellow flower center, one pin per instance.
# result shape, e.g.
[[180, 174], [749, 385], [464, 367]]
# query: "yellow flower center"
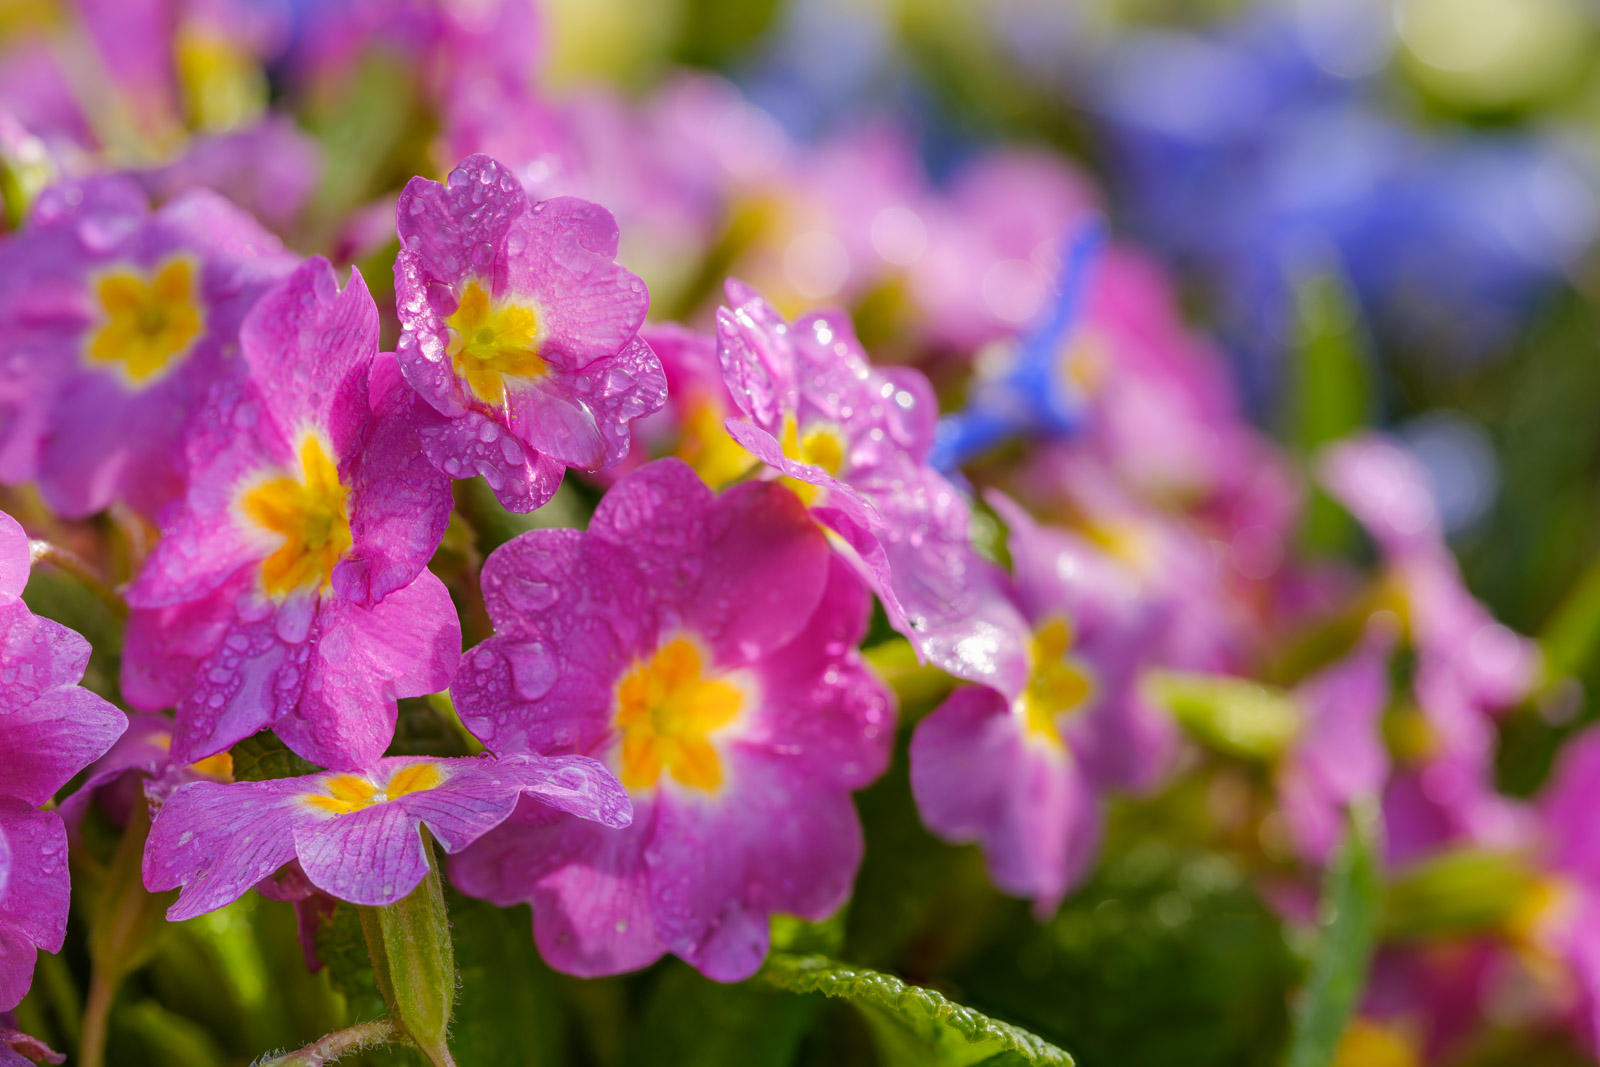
[[309, 512], [491, 341], [148, 322], [344, 794], [1370, 1044], [222, 83], [822, 445], [707, 446], [666, 711], [1128, 541], [1058, 685]]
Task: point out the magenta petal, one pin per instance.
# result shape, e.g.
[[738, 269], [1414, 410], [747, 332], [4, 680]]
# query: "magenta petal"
[[481, 793], [1569, 806], [474, 445], [757, 358], [582, 417], [1340, 756], [327, 337], [400, 501], [859, 546], [976, 778], [572, 614], [959, 614], [15, 557], [589, 307], [216, 841], [827, 713], [44, 743], [372, 857], [241, 687], [33, 893], [588, 885], [777, 842], [763, 446], [365, 659], [744, 570]]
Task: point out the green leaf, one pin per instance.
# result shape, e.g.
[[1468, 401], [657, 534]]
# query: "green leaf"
[[1352, 898], [500, 1021], [342, 947], [1572, 636], [691, 1021], [912, 1025], [1233, 715], [1330, 389], [258, 758]]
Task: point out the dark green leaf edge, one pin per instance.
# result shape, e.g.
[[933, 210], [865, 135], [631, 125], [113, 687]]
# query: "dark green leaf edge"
[[924, 1009]]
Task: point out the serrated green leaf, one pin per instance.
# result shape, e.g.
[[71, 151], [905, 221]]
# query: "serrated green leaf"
[[1352, 899], [258, 758], [912, 1025]]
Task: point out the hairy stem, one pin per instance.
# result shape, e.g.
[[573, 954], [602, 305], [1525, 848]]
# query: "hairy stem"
[[336, 1044], [66, 560]]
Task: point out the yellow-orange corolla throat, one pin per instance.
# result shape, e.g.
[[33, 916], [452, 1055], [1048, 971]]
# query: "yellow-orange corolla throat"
[[344, 794], [1059, 684], [309, 511], [148, 321], [822, 445], [490, 341], [667, 710]]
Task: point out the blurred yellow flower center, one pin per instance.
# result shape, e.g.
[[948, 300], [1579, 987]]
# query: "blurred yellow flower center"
[[707, 446], [148, 321], [491, 341], [343, 794], [1370, 1044], [310, 513], [1059, 684], [223, 85], [666, 711], [822, 445]]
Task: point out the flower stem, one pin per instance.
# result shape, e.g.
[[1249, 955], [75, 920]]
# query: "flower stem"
[[414, 963], [336, 1044], [96, 1017], [66, 560]]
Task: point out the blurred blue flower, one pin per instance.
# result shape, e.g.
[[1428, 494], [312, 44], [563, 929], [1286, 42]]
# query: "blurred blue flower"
[[1263, 148], [1029, 396]]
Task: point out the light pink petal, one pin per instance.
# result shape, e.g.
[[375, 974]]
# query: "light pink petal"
[[216, 841], [757, 356], [372, 857], [976, 778]]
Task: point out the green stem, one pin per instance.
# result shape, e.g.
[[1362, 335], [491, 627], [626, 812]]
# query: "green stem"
[[96, 1018], [414, 962], [66, 560], [334, 1045]]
